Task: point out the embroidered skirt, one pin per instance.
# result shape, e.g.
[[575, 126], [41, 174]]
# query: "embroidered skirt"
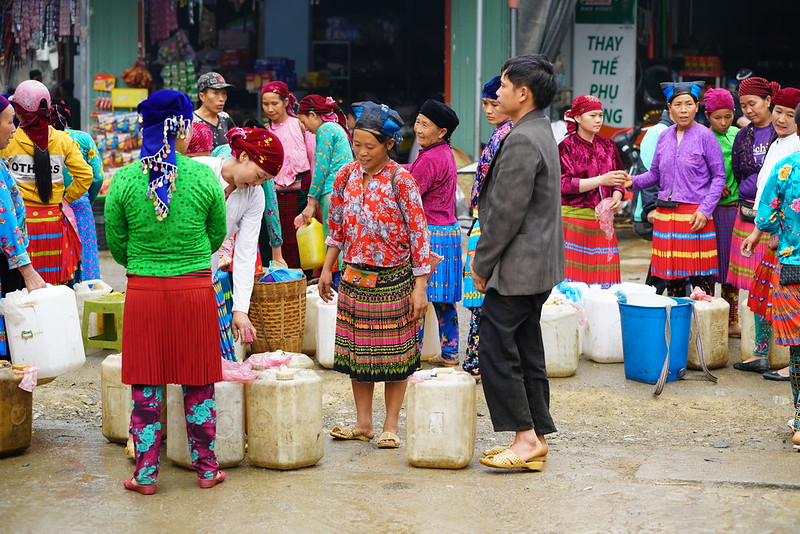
[[741, 270], [55, 247], [376, 340], [785, 319], [444, 284], [171, 331], [677, 251], [472, 299], [587, 250], [759, 300], [724, 219]]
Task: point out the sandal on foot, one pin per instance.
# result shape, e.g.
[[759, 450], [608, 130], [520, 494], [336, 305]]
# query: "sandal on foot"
[[144, 489], [387, 440], [206, 483], [438, 360], [349, 432], [500, 448], [509, 460], [129, 452]]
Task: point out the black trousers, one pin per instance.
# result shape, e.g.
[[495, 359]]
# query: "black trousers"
[[513, 370]]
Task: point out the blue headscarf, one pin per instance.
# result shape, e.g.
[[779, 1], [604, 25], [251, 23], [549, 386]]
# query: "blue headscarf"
[[673, 89], [164, 115], [378, 117], [490, 88]]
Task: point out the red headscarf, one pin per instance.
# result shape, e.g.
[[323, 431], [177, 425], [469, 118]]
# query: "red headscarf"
[[327, 109], [202, 139], [280, 88], [262, 146], [31, 101], [580, 105], [758, 87], [787, 97]]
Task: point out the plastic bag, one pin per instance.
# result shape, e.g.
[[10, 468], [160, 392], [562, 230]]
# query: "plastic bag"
[[281, 274], [267, 360], [700, 294], [237, 372], [605, 215], [29, 377]]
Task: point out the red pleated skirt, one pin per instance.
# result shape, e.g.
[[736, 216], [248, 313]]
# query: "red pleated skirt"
[[677, 251], [55, 248], [760, 298], [170, 332]]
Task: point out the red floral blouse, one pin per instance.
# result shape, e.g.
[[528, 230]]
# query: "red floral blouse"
[[379, 224]]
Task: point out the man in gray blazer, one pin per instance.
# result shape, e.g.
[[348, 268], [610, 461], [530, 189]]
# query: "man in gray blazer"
[[518, 260]]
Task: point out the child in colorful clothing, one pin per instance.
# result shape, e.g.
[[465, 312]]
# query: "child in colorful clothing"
[[759, 300], [472, 298], [719, 112], [690, 172], [435, 172], [779, 213], [591, 171], [324, 118]]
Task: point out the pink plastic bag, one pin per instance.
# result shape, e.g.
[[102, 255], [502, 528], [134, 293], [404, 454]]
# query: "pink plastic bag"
[[267, 360], [237, 372], [699, 294], [29, 378], [605, 215]]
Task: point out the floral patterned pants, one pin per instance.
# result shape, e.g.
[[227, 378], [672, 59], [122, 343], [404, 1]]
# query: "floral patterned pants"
[[763, 336], [471, 364], [794, 376], [201, 429]]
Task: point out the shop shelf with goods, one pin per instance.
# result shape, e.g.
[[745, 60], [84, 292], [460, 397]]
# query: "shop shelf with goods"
[[702, 67], [116, 133]]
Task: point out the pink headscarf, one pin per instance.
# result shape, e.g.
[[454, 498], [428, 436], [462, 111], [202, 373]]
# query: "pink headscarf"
[[717, 99], [280, 88]]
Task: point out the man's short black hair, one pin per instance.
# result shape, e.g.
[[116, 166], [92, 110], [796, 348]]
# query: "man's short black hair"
[[536, 72], [797, 118]]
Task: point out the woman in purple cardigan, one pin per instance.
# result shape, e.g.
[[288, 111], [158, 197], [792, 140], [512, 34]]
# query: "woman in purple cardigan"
[[690, 172]]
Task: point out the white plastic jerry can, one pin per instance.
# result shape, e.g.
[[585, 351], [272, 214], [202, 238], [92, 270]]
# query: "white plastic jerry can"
[[713, 320], [778, 354], [90, 289], [559, 324], [310, 327], [602, 342], [431, 342], [284, 418], [441, 419], [116, 400], [230, 441], [326, 331], [43, 330]]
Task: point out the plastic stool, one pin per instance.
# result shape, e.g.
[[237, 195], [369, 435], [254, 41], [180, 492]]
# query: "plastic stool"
[[111, 307]]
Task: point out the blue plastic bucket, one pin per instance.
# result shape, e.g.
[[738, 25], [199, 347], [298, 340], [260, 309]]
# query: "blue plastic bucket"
[[644, 345]]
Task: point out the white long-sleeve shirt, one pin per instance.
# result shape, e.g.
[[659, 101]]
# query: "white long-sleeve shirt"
[[779, 149], [244, 211]]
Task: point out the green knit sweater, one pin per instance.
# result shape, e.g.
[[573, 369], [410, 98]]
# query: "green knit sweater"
[[184, 240]]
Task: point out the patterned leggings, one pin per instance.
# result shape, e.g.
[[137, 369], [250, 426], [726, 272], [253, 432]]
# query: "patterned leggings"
[[794, 376], [763, 336], [201, 429], [448, 329], [731, 295], [471, 364]]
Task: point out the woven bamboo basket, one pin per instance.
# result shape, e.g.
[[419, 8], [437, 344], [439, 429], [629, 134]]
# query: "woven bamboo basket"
[[278, 313]]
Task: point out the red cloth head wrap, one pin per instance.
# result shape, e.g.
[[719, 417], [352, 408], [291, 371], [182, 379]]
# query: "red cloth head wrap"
[[758, 87], [280, 88], [717, 99], [202, 139], [32, 103], [327, 109], [787, 97], [260, 145], [580, 105]]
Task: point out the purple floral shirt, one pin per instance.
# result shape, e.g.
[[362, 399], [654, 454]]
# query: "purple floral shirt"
[[13, 233]]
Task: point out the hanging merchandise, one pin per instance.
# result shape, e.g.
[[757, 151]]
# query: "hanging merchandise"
[[137, 75], [163, 19]]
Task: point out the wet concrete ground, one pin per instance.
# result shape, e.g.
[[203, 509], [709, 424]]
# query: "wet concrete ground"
[[702, 457]]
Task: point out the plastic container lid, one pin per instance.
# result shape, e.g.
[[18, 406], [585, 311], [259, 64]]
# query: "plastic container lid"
[[284, 373], [19, 366]]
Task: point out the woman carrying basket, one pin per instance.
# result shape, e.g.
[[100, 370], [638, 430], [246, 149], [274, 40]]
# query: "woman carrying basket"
[[377, 223]]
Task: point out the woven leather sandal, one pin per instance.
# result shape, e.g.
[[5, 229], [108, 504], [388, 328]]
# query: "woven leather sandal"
[[509, 460]]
